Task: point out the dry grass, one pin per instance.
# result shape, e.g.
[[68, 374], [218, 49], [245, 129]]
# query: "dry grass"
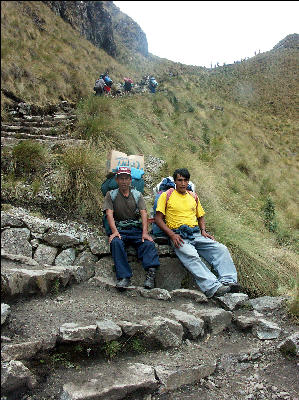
[[239, 148]]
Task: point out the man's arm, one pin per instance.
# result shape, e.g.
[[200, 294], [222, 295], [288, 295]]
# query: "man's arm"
[[176, 239], [202, 227], [145, 235], [112, 225]]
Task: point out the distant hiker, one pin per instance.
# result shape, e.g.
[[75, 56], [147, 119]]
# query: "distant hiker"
[[128, 83], [185, 226], [108, 82], [123, 216], [152, 84], [99, 87]]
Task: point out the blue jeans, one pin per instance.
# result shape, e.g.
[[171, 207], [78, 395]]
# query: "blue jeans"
[[146, 251], [216, 254]]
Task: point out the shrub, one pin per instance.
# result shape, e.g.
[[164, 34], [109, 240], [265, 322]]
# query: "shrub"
[[80, 180], [269, 215], [29, 157]]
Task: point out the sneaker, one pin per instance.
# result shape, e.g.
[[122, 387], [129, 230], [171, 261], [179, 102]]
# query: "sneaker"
[[149, 282], [234, 287], [123, 283], [221, 291]]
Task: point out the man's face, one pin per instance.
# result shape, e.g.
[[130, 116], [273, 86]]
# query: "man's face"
[[181, 184], [123, 181]]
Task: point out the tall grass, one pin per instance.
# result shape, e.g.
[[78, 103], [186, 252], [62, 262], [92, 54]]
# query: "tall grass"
[[240, 149], [81, 174]]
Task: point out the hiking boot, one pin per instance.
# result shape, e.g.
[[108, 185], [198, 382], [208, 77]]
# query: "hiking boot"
[[149, 282], [123, 283], [234, 287], [221, 291]]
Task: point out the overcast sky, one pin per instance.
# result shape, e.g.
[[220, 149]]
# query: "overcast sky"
[[205, 32]]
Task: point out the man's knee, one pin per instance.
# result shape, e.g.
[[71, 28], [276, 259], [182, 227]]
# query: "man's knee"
[[116, 243]]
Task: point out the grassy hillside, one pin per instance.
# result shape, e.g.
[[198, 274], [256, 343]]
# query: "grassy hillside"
[[241, 150]]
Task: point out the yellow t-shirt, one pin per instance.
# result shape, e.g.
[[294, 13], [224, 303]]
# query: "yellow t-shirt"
[[181, 209]]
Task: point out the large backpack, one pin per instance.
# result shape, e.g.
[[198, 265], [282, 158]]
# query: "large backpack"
[[113, 193], [110, 184], [97, 84], [108, 81]]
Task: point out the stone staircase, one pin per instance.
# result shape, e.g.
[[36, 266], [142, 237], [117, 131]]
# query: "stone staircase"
[[50, 129], [69, 334]]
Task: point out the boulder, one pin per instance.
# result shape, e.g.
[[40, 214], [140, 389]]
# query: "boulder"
[[266, 303], [66, 257], [290, 345], [195, 295], [72, 332], [10, 221], [266, 330], [175, 377], [86, 258], [165, 332], [58, 239], [45, 254], [193, 327], [107, 330], [216, 320], [16, 377], [231, 301], [98, 244], [16, 241], [120, 383]]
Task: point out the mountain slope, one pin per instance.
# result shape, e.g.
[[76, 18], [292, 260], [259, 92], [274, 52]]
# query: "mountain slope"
[[241, 149]]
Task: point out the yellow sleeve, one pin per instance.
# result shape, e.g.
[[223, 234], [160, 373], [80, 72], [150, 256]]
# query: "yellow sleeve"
[[199, 210], [161, 205]]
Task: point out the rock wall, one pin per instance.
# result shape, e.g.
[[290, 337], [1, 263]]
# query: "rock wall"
[[101, 22], [55, 250]]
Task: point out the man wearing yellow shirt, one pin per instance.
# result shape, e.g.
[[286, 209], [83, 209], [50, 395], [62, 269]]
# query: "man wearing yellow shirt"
[[185, 225]]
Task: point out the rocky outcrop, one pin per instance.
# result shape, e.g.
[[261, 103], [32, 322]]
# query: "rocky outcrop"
[[90, 18], [101, 22], [289, 42], [127, 31]]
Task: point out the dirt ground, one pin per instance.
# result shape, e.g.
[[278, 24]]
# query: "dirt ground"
[[247, 368]]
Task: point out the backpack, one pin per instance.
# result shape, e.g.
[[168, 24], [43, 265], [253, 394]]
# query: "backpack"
[[153, 83], [168, 186], [108, 81], [113, 193], [97, 84], [110, 184]]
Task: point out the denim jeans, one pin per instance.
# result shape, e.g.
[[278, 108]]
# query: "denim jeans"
[[146, 252], [216, 254]]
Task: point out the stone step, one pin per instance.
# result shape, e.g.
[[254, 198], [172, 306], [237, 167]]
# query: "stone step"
[[12, 141], [33, 129], [23, 135], [41, 123]]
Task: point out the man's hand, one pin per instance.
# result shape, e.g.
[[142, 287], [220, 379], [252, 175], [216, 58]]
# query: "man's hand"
[[115, 234], [207, 235], [177, 240], [146, 236]]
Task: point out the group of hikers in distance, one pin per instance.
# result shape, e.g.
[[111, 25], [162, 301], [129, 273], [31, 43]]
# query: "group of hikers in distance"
[[104, 83], [180, 217]]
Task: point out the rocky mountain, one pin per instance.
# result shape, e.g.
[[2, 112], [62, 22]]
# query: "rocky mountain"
[[102, 23], [289, 42]]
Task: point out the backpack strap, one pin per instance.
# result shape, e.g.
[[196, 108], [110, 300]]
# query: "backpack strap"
[[194, 195], [113, 194], [170, 191], [136, 194]]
